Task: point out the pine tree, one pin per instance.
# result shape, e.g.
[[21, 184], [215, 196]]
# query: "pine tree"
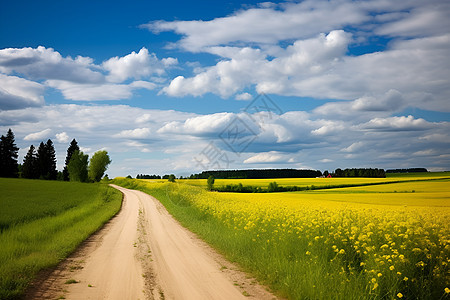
[[46, 161], [41, 161], [8, 155], [51, 154], [30, 167], [72, 148]]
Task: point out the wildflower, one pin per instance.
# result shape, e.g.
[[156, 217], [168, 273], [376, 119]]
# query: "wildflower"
[[342, 251], [379, 274], [391, 268], [374, 280], [447, 290], [405, 279], [400, 295], [375, 286], [308, 253]]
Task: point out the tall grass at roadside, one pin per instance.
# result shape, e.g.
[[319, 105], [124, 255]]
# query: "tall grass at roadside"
[[43, 222], [307, 245]]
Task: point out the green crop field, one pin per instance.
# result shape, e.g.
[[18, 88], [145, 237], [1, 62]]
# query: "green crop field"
[[41, 222], [387, 241]]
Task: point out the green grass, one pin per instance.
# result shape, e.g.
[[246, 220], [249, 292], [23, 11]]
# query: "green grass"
[[42, 222]]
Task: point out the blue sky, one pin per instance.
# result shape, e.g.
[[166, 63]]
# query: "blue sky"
[[172, 87]]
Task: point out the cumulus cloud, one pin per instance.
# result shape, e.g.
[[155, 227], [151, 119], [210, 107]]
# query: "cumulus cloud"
[[138, 133], [264, 25], [200, 125], [267, 157], [40, 135], [419, 21], [251, 44], [79, 78], [402, 123], [136, 65], [46, 63], [16, 93], [95, 92], [62, 137], [244, 96]]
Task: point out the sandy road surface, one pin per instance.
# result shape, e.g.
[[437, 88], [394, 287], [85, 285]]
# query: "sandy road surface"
[[143, 253]]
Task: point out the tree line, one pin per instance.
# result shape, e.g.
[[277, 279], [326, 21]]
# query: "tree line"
[[258, 174], [361, 172], [40, 163], [410, 170]]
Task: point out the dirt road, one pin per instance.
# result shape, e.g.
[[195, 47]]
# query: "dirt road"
[[143, 253]]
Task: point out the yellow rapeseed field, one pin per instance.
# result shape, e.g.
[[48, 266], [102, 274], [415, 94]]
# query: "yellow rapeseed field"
[[374, 242]]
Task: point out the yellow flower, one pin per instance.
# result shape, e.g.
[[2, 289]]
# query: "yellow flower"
[[405, 279], [447, 290], [379, 274], [375, 286], [374, 280], [308, 253], [391, 268], [399, 273], [400, 295]]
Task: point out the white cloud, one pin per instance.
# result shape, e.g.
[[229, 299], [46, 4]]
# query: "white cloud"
[[200, 125], [37, 136], [46, 63], [79, 78], [96, 92], [319, 68], [138, 133], [402, 123], [136, 65], [267, 157], [264, 25], [353, 147], [62, 137], [16, 93], [250, 44], [244, 96], [420, 21]]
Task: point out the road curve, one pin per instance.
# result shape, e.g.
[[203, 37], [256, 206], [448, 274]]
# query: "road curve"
[[143, 253]]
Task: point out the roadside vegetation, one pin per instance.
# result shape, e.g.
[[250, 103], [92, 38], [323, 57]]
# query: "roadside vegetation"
[[388, 241], [41, 222]]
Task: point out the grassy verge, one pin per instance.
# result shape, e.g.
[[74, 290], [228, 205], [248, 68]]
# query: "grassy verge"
[[305, 247], [42, 222]]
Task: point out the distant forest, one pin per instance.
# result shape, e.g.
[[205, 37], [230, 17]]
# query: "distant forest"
[[258, 174], [410, 170], [372, 173], [277, 173]]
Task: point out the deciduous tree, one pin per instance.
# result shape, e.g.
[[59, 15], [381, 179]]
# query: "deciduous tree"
[[98, 164], [77, 166]]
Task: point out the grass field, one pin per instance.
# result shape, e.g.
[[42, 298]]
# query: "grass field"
[[376, 242], [41, 222]]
